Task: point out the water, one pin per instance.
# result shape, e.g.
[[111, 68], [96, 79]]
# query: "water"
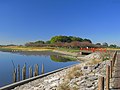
[[51, 62]]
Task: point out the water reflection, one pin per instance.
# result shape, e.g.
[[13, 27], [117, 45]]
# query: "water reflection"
[[58, 58]]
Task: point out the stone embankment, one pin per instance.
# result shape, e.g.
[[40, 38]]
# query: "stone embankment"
[[86, 77]]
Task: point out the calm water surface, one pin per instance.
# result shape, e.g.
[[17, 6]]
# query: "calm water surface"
[[51, 62]]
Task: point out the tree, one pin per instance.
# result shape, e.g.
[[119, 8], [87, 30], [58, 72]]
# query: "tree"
[[86, 44], [88, 40], [39, 42], [68, 45], [35, 44], [60, 39], [105, 44], [29, 44], [48, 42], [68, 39], [113, 46], [76, 38], [59, 44], [75, 44], [98, 43]]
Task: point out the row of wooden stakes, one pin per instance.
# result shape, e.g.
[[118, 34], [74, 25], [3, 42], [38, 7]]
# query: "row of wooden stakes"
[[109, 70], [16, 72]]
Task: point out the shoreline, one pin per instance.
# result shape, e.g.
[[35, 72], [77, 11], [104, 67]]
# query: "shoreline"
[[56, 80], [40, 51], [88, 78]]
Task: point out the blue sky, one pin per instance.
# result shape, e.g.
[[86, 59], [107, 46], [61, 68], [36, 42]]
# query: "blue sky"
[[30, 20]]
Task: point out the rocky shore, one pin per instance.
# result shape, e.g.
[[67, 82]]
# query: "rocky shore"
[[83, 76]]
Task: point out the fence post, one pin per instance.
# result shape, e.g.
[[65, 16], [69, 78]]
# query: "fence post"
[[14, 75], [18, 72], [42, 68], [24, 72], [107, 76], [37, 69], [36, 72], [114, 57], [111, 68], [30, 72], [101, 83]]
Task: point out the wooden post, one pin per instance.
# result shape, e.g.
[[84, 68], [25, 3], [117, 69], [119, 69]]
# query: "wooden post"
[[18, 72], [114, 57], [111, 68], [14, 75], [115, 54], [101, 83], [42, 68], [36, 72], [107, 76], [30, 72], [24, 72], [113, 60]]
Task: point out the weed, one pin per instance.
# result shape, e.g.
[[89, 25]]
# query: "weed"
[[74, 73], [64, 86]]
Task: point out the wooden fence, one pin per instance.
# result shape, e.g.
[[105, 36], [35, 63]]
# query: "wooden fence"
[[109, 69], [32, 73]]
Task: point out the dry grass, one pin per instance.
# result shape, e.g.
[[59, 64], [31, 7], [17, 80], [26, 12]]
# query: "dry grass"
[[93, 62], [106, 56], [64, 86], [113, 49], [74, 72], [103, 56], [28, 48]]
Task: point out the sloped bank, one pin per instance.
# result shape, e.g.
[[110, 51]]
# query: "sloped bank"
[[82, 76]]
